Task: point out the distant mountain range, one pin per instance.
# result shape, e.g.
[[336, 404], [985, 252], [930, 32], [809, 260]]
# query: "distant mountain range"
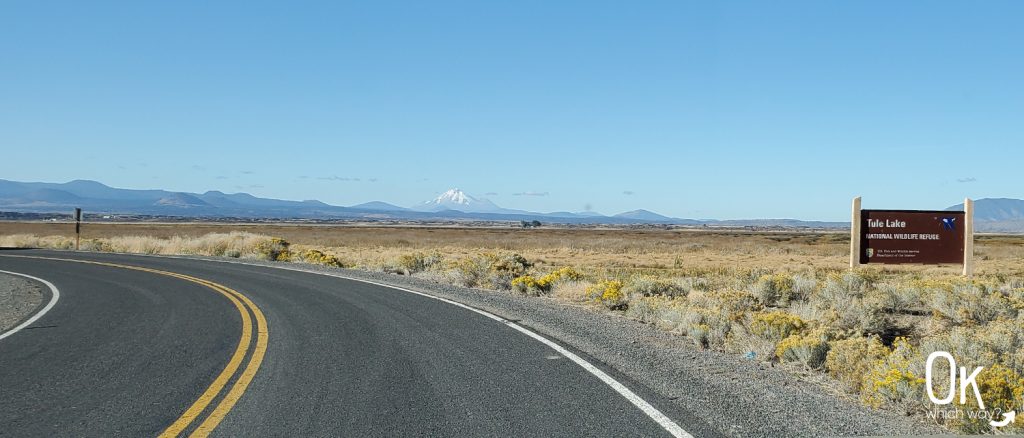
[[997, 215], [1003, 215], [95, 197]]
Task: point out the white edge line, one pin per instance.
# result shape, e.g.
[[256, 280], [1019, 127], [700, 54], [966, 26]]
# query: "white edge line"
[[54, 296], [664, 421], [656, 415]]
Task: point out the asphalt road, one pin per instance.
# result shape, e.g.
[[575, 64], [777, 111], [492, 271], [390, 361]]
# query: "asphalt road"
[[125, 352]]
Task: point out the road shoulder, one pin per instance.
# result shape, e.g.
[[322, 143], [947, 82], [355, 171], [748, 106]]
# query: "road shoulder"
[[19, 300]]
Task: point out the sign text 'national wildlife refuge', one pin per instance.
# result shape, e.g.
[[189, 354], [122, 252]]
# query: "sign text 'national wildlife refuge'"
[[912, 236]]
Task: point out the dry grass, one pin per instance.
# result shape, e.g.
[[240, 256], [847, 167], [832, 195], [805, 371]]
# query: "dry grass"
[[232, 244], [613, 251]]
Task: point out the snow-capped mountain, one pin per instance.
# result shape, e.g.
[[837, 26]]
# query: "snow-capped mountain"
[[458, 200]]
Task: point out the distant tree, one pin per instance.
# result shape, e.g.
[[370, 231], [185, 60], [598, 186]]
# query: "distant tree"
[[529, 224]]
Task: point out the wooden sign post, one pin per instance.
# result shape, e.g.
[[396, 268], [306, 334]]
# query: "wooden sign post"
[[855, 234], [912, 236], [78, 227], [968, 237]]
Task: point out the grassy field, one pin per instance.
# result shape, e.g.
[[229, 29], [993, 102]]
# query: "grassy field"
[[781, 297], [587, 248]]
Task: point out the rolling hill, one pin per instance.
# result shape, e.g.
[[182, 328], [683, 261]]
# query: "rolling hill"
[[997, 215]]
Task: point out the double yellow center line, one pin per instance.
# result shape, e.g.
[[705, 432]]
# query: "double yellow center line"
[[241, 302], [245, 307]]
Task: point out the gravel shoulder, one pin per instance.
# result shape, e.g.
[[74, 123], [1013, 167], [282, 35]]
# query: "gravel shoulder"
[[19, 299]]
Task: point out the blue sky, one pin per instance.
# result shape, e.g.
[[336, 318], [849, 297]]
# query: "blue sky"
[[690, 109]]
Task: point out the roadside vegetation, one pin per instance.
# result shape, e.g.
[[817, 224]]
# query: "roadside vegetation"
[[785, 299]]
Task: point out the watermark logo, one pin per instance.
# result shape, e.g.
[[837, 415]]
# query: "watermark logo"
[[966, 381]]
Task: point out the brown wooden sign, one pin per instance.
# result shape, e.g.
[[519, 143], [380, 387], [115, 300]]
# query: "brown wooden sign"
[[912, 236]]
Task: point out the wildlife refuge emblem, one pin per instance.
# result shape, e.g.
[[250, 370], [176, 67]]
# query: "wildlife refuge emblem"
[[949, 223]]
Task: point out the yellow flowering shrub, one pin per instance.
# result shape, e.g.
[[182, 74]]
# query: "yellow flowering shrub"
[[729, 301], [609, 293], [650, 309], [849, 360], [808, 349], [777, 325], [502, 268], [649, 286], [932, 284], [544, 283], [524, 283], [417, 262], [774, 289], [470, 271], [897, 380], [892, 385], [318, 257], [508, 264], [569, 273], [276, 249], [1001, 388], [528, 284], [1016, 298]]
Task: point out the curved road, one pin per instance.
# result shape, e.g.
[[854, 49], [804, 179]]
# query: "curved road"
[[127, 352]]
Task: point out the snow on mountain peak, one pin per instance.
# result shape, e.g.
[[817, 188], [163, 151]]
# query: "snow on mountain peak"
[[456, 199], [455, 196]]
